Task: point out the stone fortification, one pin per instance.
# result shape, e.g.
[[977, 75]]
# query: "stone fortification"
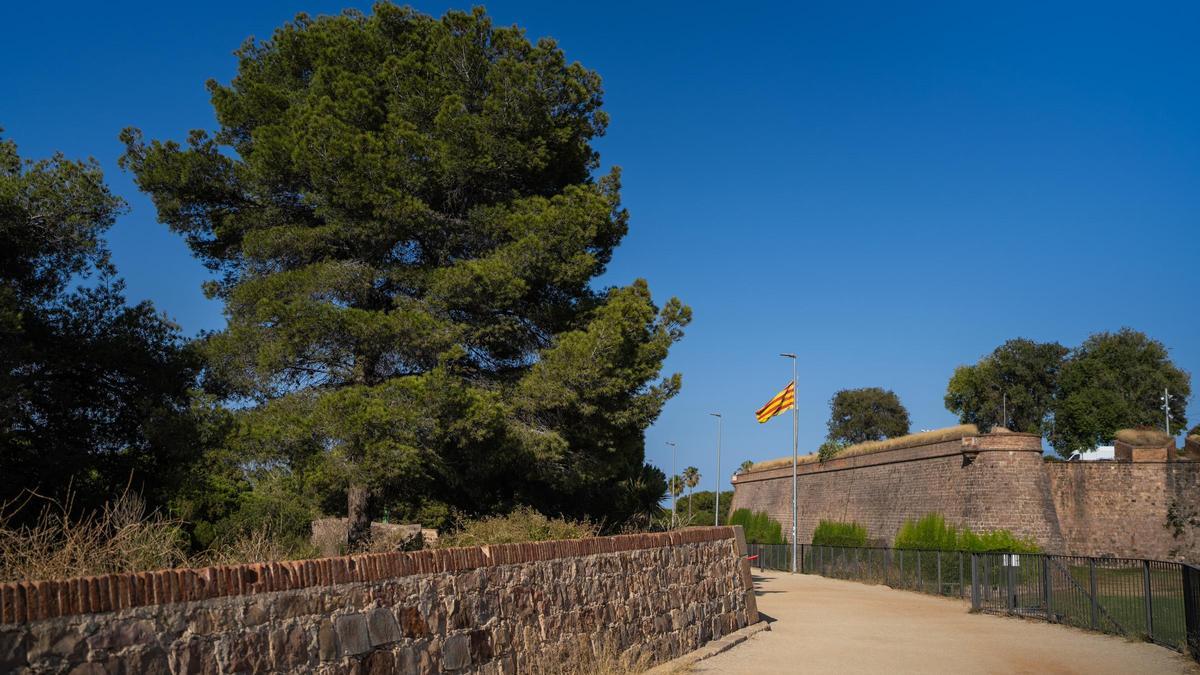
[[1145, 507]]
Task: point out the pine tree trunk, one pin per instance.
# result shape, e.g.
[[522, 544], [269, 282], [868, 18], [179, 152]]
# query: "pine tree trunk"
[[358, 522]]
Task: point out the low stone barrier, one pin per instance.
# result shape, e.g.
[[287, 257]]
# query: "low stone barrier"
[[490, 609]]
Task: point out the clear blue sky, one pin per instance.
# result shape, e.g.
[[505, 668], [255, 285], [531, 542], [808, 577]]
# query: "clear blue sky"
[[889, 192]]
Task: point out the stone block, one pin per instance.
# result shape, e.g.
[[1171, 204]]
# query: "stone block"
[[352, 633], [327, 642], [456, 652], [382, 627], [12, 647], [412, 624]]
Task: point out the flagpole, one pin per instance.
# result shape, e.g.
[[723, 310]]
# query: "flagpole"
[[717, 501], [795, 457]]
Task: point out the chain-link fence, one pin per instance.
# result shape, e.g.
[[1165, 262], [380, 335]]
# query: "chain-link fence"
[[1151, 599]]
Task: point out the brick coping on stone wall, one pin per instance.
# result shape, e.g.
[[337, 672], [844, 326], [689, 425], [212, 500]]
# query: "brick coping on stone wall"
[[26, 601]]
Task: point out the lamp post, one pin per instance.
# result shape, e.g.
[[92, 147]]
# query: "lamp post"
[[717, 498], [795, 455], [671, 483], [1166, 399]]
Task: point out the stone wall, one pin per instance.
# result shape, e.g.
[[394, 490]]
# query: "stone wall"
[[994, 481], [1138, 509], [497, 609]]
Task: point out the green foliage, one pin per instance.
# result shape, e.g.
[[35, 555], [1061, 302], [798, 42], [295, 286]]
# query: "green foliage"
[[1023, 372], [94, 393], [745, 466], [932, 533], [870, 414], [675, 486], [829, 450], [758, 526], [405, 226], [1115, 381], [523, 524], [700, 506], [835, 533]]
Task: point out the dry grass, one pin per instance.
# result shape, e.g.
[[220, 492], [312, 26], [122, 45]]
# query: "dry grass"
[[911, 440], [1143, 437], [122, 537], [523, 524], [588, 655], [259, 545]]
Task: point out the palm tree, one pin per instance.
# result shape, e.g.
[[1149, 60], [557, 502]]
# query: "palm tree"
[[691, 478], [675, 487]]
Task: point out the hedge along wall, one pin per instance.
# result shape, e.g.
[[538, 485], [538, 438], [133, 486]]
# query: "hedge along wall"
[[501, 609]]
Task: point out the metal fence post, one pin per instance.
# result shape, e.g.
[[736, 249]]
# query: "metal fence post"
[[1092, 592], [1191, 613], [1047, 587], [920, 585], [939, 590], [975, 582], [1149, 597], [960, 575]]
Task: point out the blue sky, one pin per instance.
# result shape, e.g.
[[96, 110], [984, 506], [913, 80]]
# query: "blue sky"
[[888, 191]]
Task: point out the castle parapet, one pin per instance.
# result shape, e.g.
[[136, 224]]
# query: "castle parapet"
[[1137, 445]]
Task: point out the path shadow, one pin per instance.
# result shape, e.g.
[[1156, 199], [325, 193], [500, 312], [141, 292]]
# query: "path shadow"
[[766, 617]]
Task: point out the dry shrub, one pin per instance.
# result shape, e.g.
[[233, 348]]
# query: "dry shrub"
[[587, 655], [1140, 437], [261, 544], [909, 441], [121, 537], [523, 524]]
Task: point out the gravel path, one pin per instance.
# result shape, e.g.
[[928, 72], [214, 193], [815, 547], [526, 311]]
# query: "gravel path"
[[827, 625]]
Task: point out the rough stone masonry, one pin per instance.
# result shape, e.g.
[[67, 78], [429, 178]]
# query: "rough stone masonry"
[[1136, 509], [499, 609]]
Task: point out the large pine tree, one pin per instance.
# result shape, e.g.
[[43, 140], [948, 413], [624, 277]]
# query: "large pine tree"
[[404, 225]]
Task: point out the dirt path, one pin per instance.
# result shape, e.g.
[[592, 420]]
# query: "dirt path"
[[827, 625]]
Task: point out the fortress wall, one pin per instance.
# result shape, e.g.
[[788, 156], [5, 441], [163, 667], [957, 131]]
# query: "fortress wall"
[[1141, 510], [995, 481], [490, 609]]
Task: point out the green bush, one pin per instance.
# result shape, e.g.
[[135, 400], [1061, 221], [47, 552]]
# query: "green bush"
[[931, 533], [759, 527], [829, 449], [835, 533]]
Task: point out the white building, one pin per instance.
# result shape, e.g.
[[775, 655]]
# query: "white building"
[[1101, 453]]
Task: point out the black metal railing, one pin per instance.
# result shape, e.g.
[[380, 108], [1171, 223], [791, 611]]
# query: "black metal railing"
[[1152, 599]]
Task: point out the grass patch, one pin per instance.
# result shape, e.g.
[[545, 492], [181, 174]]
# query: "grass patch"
[[909, 441], [1143, 437], [835, 533]]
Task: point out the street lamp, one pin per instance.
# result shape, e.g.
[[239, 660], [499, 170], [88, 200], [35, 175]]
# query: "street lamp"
[[795, 455], [1166, 399], [671, 483], [717, 502]]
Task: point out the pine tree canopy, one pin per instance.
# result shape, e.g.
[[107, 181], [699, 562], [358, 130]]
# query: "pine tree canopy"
[[404, 222]]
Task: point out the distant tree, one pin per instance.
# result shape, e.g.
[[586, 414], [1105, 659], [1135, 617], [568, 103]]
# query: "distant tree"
[[675, 485], [745, 466], [640, 497], [691, 478], [1019, 376], [94, 393], [1115, 381], [870, 414], [406, 227]]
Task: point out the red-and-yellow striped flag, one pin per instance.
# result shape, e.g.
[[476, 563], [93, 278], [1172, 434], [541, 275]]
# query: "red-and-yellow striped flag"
[[784, 400]]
